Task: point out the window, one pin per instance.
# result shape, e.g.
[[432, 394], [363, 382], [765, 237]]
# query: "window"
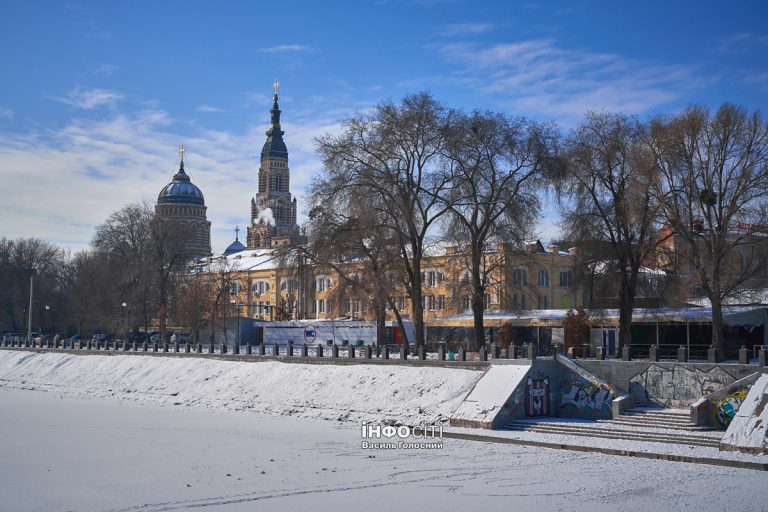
[[260, 288], [288, 285], [430, 302], [321, 306], [235, 287], [487, 301], [565, 302], [543, 302], [432, 278], [565, 278], [441, 302], [314, 307], [523, 301], [543, 278], [320, 283], [466, 302], [520, 276]]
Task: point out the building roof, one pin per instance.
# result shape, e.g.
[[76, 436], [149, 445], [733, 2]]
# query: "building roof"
[[732, 315], [181, 190]]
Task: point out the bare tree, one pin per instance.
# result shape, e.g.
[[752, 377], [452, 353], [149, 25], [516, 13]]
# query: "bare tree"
[[607, 196], [354, 240], [126, 240], [21, 259], [391, 158], [714, 181], [496, 166]]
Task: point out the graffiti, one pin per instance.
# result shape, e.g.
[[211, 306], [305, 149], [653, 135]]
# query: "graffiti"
[[584, 398], [728, 406], [677, 385], [537, 397], [515, 402]]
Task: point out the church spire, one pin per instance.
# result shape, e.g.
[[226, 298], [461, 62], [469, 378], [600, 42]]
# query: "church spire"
[[275, 108], [274, 146], [181, 175]]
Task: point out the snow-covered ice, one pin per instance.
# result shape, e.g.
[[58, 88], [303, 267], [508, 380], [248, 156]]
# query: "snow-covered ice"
[[62, 453]]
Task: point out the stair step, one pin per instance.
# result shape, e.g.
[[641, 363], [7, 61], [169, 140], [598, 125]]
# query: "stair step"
[[556, 428], [600, 428]]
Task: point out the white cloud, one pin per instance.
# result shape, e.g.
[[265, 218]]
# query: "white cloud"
[[104, 69], [68, 180], [536, 77], [209, 108], [91, 99], [6, 113], [283, 48], [464, 29]]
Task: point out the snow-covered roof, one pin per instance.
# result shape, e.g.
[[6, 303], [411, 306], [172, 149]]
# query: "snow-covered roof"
[[733, 315], [744, 298], [251, 259]]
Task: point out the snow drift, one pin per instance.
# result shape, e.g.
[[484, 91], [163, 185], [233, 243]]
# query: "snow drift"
[[391, 393]]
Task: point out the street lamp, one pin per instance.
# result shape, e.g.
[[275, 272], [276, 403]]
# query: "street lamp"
[[125, 326], [42, 327]]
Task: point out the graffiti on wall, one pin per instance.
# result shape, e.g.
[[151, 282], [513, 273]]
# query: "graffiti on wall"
[[537, 397], [727, 407], [583, 398], [677, 385]]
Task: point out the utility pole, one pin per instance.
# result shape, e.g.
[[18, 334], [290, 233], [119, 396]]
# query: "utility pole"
[[29, 316]]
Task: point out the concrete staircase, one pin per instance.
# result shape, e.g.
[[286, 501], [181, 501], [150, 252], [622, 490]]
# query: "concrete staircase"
[[658, 418], [639, 424]]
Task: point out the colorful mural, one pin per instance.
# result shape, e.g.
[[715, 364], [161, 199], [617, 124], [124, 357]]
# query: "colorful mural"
[[726, 408], [537, 397], [581, 398]]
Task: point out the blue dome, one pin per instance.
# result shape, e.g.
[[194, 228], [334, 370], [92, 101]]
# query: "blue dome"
[[180, 191], [234, 247]]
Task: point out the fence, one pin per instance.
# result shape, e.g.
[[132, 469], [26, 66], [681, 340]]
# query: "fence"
[[436, 352]]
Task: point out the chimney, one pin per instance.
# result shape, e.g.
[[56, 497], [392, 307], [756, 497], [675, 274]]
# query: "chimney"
[[530, 247], [554, 249], [574, 251]]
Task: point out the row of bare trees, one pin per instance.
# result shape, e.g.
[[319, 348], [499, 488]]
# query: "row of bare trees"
[[685, 193], [404, 175]]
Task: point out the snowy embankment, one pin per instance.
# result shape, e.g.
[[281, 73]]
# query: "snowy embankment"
[[391, 393]]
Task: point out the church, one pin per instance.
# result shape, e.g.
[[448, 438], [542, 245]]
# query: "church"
[[263, 287]]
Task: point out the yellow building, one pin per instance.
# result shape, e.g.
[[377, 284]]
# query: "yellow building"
[[262, 286]]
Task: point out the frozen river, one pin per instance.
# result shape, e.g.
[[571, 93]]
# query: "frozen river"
[[65, 454]]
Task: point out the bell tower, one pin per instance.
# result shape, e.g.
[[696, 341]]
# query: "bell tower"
[[273, 210]]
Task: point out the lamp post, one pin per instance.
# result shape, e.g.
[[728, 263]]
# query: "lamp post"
[[42, 327], [125, 326], [29, 316]]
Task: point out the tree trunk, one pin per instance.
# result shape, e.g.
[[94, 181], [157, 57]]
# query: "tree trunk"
[[626, 303], [381, 322], [478, 297], [399, 319], [417, 308], [717, 324]]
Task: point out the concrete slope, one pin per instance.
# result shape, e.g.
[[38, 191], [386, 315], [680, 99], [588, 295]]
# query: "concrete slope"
[[747, 431], [498, 390]]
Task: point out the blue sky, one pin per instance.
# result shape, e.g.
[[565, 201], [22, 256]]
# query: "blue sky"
[[97, 96]]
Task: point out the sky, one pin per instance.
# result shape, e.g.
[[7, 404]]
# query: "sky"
[[96, 97]]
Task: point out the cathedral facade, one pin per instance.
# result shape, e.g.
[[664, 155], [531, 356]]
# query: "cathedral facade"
[[181, 203], [273, 209]]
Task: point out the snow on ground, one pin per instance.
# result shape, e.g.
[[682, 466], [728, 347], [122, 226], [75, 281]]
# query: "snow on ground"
[[391, 393], [617, 444], [61, 453]]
